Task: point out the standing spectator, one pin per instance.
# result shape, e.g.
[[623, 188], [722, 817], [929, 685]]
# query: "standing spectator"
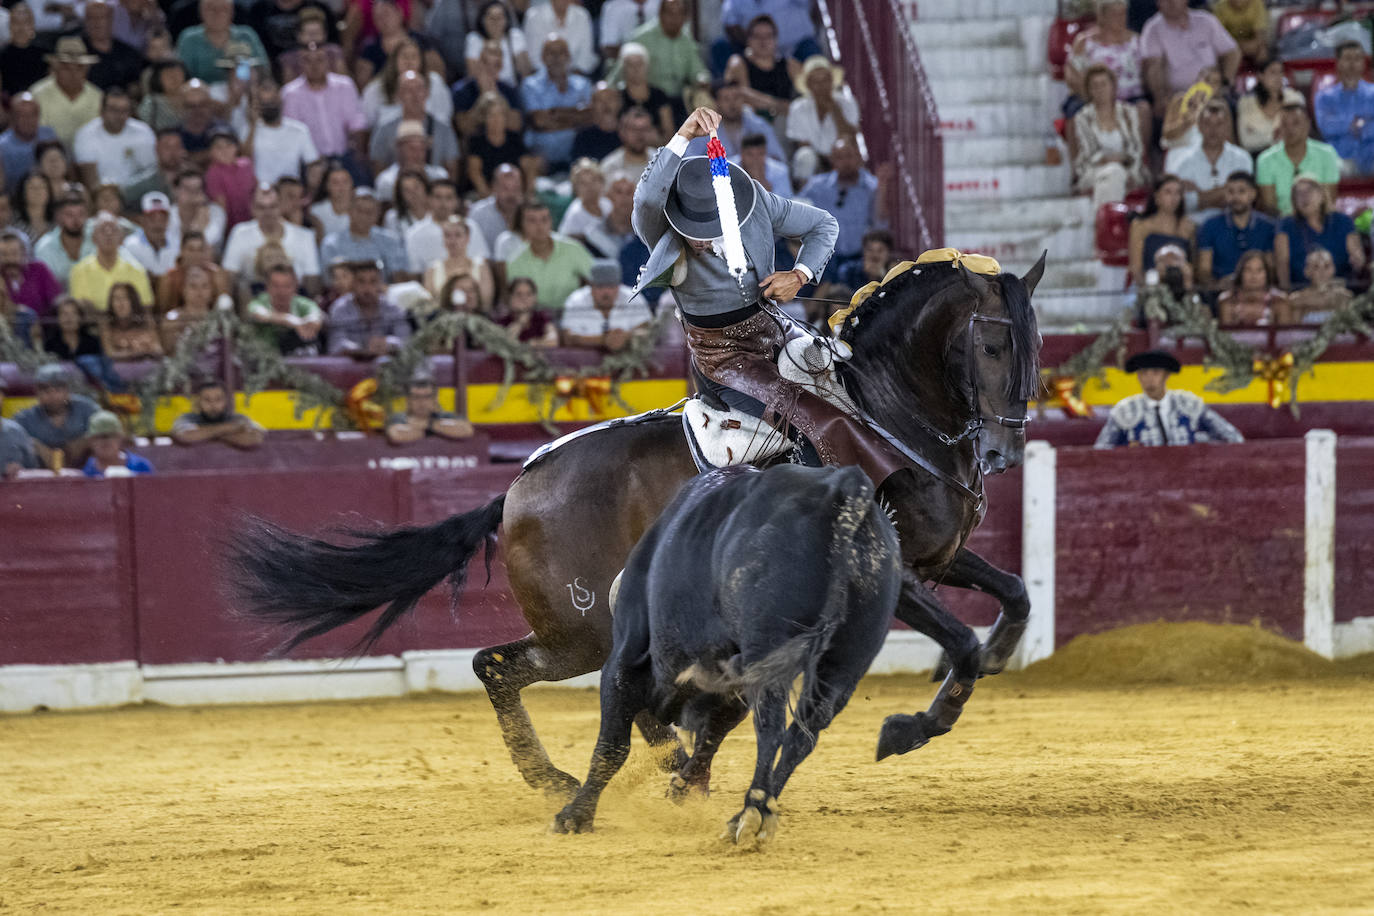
[[1294, 154], [57, 423], [1205, 169], [1177, 44], [1162, 223], [412, 155], [170, 153], [1345, 111], [198, 121], [757, 164], [825, 111], [422, 416], [608, 236], [1253, 300], [379, 99], [284, 319], [457, 262], [854, 196], [556, 100], [632, 79], [636, 147], [605, 315], [767, 79], [589, 203], [364, 241], [412, 92], [1111, 155], [21, 60], [424, 241], [204, 48], [1259, 110], [1247, 21], [601, 135], [557, 266], [1112, 44], [1240, 228], [495, 144], [66, 243], [16, 447], [194, 211], [1324, 293], [494, 24], [135, 21], [94, 275], [128, 331], [152, 248], [1313, 224], [230, 179], [333, 200], [619, 18], [279, 145], [328, 105], [28, 282], [115, 148], [484, 79], [25, 133], [571, 22], [161, 105], [674, 57], [267, 226], [737, 122], [105, 433], [524, 320], [1159, 416], [796, 31], [66, 99], [120, 65], [364, 324], [214, 420], [495, 213]]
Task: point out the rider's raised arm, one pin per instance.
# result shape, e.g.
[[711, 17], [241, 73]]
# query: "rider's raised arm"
[[816, 229], [651, 194]]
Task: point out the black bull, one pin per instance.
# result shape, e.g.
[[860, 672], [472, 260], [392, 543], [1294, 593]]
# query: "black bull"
[[749, 580]]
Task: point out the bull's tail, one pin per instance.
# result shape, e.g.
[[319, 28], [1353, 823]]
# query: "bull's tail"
[[313, 585]]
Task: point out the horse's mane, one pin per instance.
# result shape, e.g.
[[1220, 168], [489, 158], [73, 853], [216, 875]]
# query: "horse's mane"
[[915, 318]]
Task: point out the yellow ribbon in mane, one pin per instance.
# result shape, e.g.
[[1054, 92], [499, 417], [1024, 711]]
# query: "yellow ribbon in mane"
[[976, 263]]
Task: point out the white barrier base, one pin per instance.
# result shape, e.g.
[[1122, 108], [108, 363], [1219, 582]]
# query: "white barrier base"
[[1354, 637], [281, 681], [24, 688]]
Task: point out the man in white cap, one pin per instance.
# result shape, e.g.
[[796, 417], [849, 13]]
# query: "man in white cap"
[[94, 274], [606, 314], [105, 435], [412, 153], [67, 99], [412, 92], [153, 249]]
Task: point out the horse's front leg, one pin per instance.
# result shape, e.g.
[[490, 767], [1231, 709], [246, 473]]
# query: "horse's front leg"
[[973, 572], [919, 608]]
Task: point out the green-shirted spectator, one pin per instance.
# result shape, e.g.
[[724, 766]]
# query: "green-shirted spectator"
[[1295, 154], [557, 266], [674, 58], [284, 318], [211, 49]]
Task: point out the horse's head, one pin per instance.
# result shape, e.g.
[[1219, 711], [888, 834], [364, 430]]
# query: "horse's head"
[[951, 351]]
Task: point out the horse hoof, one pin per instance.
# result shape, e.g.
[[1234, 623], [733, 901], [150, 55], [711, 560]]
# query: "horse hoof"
[[754, 825], [569, 821], [902, 734], [749, 826]]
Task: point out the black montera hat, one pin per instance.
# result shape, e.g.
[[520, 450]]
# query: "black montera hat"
[[691, 207], [1153, 359]]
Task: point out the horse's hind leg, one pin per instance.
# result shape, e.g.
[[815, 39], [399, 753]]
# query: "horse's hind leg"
[[758, 820], [506, 670], [719, 719], [973, 572]]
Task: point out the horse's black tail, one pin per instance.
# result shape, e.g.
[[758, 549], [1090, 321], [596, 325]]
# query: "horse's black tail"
[[315, 585]]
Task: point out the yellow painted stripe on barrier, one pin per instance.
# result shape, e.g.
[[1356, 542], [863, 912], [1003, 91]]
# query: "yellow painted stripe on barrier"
[[1328, 382]]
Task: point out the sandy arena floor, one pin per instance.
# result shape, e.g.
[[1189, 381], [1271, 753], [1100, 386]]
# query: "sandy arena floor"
[[1047, 798]]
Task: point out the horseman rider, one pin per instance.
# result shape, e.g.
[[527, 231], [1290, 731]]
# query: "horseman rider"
[[733, 339]]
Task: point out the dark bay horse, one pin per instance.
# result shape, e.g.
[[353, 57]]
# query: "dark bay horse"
[[944, 359]]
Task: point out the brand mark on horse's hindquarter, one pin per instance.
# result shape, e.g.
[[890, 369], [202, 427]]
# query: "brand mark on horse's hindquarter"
[[582, 597]]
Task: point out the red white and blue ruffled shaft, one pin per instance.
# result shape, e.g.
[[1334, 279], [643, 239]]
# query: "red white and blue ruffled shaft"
[[729, 215]]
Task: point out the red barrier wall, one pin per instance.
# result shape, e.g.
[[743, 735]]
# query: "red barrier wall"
[[1354, 528]]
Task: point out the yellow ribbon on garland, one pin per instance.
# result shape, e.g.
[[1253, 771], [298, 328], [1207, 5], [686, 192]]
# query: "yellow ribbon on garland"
[[1277, 373], [365, 413], [595, 390]]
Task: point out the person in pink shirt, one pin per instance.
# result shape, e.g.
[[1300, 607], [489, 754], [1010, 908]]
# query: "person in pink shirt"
[[1177, 44], [230, 179], [329, 106]]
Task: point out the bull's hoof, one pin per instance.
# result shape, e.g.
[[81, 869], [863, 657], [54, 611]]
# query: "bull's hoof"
[[902, 734], [569, 820], [756, 824]]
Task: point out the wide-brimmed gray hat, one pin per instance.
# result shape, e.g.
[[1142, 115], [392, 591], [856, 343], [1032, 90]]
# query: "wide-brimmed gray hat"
[[691, 207], [104, 423]]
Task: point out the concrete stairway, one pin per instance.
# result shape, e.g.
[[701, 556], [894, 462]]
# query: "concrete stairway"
[[1003, 197]]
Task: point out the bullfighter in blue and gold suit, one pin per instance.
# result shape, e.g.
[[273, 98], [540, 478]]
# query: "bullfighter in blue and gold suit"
[[1159, 416]]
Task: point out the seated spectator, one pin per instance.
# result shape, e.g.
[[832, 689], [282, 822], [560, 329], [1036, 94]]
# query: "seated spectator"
[[674, 57], [364, 241], [486, 78], [738, 122], [495, 213], [66, 99], [824, 112], [457, 262], [28, 282], [53, 164], [31, 207], [57, 423], [1247, 21], [601, 136], [557, 103], [495, 144], [1205, 169], [636, 144], [589, 204], [69, 336], [22, 59], [412, 155], [363, 323], [618, 19], [876, 262], [409, 204], [604, 315], [380, 98], [279, 146], [115, 148], [128, 332], [136, 21], [1161, 224], [608, 236], [1159, 416], [1294, 154], [66, 243], [1174, 271], [291, 194], [105, 433], [632, 79], [195, 300], [796, 36], [494, 25], [557, 266], [854, 196], [767, 79], [1239, 228], [18, 144], [1315, 225], [458, 296], [278, 22], [1253, 300], [522, 317], [194, 253], [94, 275], [328, 105], [21, 320], [161, 105], [313, 28], [422, 416], [1324, 294], [424, 241], [1259, 110], [572, 23], [1345, 111], [230, 179], [757, 164], [16, 447], [193, 211], [284, 319], [215, 420], [1177, 43], [120, 65], [198, 121], [109, 199], [268, 226], [1110, 43], [389, 19], [412, 92], [333, 200], [204, 47], [151, 247], [1179, 133]]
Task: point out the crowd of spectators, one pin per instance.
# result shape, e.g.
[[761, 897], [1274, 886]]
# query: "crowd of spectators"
[[1188, 102], [338, 172]]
